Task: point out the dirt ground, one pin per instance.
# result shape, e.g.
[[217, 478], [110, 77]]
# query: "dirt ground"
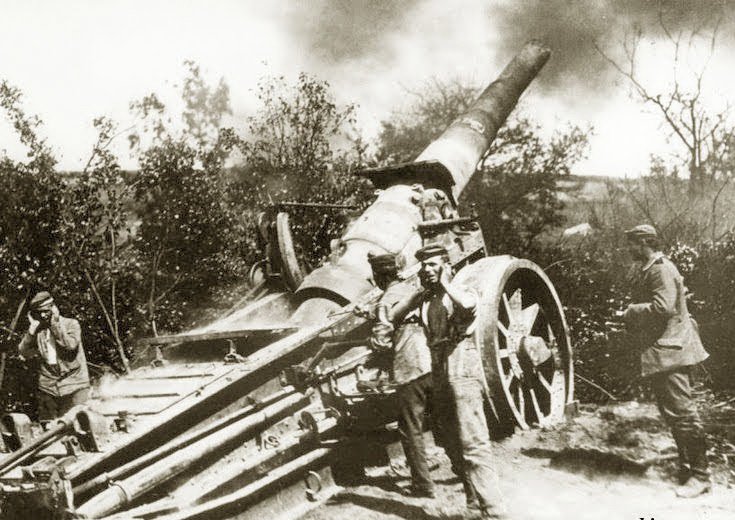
[[609, 463]]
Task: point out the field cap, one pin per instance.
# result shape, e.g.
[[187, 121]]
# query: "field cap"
[[383, 264], [429, 251], [642, 231], [40, 300]]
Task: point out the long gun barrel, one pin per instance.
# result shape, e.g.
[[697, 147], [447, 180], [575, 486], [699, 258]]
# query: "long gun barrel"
[[390, 224], [467, 139]]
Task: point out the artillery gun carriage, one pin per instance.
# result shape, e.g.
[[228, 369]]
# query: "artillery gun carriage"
[[262, 411]]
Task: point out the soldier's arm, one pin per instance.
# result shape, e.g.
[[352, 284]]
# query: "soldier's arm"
[[662, 285], [27, 348], [67, 338], [465, 300], [398, 312], [382, 332]]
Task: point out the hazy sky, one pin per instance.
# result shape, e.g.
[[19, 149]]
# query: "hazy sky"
[[77, 59]]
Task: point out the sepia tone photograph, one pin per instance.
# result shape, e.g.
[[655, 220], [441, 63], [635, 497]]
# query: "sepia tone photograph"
[[367, 259]]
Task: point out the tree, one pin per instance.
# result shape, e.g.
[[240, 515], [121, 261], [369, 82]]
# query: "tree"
[[187, 232], [517, 192], [433, 108], [30, 215], [705, 134], [301, 149], [95, 241]]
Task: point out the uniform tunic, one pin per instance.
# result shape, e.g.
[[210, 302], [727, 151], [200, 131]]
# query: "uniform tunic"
[[63, 377], [460, 424], [670, 347], [411, 357], [661, 320], [410, 371]]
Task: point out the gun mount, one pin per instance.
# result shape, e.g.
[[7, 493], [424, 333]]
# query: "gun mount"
[[265, 410]]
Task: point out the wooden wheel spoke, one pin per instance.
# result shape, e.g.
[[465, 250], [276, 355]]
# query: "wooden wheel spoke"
[[521, 399], [552, 338], [534, 402], [507, 379], [528, 317], [516, 302], [545, 382], [508, 310], [503, 353], [502, 328]]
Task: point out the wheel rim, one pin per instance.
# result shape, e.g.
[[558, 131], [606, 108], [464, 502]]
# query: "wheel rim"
[[524, 338]]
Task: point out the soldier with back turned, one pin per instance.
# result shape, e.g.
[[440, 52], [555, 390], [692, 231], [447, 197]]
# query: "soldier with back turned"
[[411, 366], [671, 346]]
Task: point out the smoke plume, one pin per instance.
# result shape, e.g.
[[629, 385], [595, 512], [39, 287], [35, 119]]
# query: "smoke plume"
[[573, 27], [338, 30]]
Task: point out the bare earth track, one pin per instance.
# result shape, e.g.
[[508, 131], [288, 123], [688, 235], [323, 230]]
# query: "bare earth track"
[[610, 463]]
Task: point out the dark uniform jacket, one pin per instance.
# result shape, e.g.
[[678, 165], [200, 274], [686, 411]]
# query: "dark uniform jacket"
[[64, 371], [450, 333], [411, 357], [661, 319]]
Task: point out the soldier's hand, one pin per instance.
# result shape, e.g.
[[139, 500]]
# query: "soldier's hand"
[[445, 276], [33, 324], [380, 349], [362, 311], [54, 314]]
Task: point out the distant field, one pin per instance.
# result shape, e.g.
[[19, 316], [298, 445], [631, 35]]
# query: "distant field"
[[586, 187]]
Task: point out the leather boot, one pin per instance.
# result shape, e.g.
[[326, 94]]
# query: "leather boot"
[[684, 471], [700, 481], [469, 492], [694, 487]]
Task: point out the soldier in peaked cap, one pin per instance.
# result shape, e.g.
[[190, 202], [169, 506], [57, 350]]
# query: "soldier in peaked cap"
[[448, 315], [63, 379], [411, 368], [671, 346]]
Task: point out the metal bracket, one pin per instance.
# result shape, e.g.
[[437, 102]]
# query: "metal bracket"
[[232, 356], [16, 430], [122, 422], [71, 444], [314, 485], [437, 226], [88, 426], [308, 422], [159, 360]]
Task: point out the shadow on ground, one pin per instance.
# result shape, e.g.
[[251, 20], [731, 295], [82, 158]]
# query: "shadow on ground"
[[390, 506]]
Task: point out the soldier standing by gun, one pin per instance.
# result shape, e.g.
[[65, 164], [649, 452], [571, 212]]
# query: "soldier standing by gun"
[[448, 314], [63, 379], [411, 366], [671, 346]]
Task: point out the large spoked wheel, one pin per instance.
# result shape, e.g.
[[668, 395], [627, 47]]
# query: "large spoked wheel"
[[523, 335]]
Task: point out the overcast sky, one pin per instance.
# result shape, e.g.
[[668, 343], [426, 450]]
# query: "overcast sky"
[[78, 59]]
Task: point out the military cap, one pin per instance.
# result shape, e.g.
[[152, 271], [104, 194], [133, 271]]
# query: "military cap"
[[642, 231], [383, 263], [430, 250], [41, 299]]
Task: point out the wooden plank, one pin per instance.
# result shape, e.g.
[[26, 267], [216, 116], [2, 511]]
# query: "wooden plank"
[[215, 335]]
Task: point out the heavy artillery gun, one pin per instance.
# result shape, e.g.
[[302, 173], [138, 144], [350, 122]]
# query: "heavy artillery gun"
[[262, 411]]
